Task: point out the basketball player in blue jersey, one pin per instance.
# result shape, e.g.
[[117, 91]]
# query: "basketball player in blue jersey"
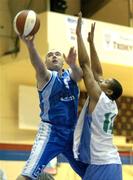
[[93, 133], [58, 94]]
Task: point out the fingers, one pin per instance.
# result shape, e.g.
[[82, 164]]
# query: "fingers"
[[88, 38], [79, 23], [80, 14], [28, 38], [64, 56], [93, 27], [32, 37], [91, 33], [72, 51]]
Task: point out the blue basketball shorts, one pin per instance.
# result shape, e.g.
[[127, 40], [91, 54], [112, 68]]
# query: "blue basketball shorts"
[[103, 172], [51, 141]]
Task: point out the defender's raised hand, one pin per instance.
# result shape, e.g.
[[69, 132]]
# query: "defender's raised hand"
[[71, 58], [79, 24], [91, 33]]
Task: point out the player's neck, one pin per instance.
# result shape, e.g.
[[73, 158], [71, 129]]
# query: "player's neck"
[[60, 72]]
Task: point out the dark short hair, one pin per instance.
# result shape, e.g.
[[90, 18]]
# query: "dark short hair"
[[116, 87]]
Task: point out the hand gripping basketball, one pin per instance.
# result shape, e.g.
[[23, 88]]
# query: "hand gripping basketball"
[[26, 23]]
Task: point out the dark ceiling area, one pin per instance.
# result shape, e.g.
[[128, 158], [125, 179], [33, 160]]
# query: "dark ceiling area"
[[89, 7], [37, 5], [100, 10]]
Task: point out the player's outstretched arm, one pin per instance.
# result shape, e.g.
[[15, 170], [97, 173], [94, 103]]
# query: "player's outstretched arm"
[[42, 73], [91, 84], [95, 62], [82, 52], [76, 71]]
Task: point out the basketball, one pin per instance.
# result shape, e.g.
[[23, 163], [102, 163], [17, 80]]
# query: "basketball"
[[26, 23]]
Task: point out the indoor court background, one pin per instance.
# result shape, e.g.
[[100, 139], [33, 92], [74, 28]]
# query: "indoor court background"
[[19, 116]]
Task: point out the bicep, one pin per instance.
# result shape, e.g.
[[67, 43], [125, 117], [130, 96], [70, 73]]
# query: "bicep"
[[42, 76], [42, 73], [40, 68]]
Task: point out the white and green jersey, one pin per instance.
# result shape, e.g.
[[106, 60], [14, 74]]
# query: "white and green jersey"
[[93, 139]]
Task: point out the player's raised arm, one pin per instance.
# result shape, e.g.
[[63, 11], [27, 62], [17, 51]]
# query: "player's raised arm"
[[95, 63], [42, 73], [82, 53], [91, 84]]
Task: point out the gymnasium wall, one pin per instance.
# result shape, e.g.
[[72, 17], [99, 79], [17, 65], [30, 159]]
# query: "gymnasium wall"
[[16, 70], [114, 45]]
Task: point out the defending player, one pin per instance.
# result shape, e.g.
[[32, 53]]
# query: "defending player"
[[93, 134]]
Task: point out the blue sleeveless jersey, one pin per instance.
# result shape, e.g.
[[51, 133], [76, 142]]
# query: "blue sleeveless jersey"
[[59, 100]]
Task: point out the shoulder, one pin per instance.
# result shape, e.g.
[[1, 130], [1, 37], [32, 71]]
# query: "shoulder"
[[106, 104], [42, 86]]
